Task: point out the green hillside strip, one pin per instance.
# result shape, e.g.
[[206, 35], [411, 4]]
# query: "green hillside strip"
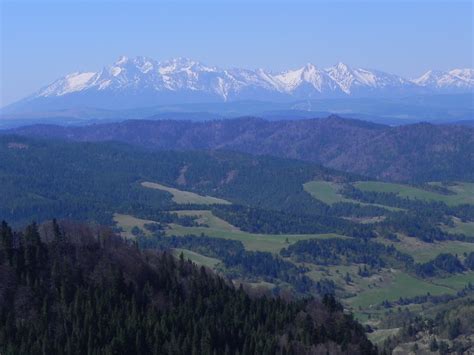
[[401, 285], [328, 192], [466, 228], [218, 228], [215, 227], [325, 191], [257, 242], [186, 197], [127, 222], [423, 252], [196, 258], [457, 282], [463, 191], [206, 218]]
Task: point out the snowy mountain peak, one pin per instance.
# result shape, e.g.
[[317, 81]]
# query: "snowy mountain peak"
[[342, 67], [310, 67], [181, 62], [121, 60], [343, 76], [181, 80], [70, 83], [452, 79]]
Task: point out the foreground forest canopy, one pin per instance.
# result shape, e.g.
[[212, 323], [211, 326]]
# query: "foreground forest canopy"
[[73, 289]]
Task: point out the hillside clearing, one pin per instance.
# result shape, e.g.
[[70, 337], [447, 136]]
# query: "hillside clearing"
[[423, 252], [215, 227], [329, 193], [326, 191], [186, 197], [466, 228], [398, 285], [196, 258], [127, 222], [463, 191]]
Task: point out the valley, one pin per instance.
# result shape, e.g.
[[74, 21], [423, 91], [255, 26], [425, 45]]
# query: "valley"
[[365, 296], [275, 225]]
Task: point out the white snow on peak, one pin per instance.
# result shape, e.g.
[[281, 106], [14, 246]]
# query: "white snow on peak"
[[146, 67], [455, 78], [427, 78], [69, 84], [115, 71], [290, 79], [350, 78], [366, 77], [464, 75], [122, 60], [184, 74], [343, 76]]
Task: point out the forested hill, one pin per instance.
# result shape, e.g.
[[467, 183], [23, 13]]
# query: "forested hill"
[[42, 179], [71, 289], [411, 153]]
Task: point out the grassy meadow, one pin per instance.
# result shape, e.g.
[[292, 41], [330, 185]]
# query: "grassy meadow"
[[186, 197], [463, 192]]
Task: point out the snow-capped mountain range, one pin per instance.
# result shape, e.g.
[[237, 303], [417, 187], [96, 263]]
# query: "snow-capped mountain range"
[[141, 81]]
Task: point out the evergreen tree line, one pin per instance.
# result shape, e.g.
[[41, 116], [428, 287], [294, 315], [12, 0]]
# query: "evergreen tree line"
[[420, 218], [433, 299], [447, 328], [445, 263], [240, 263], [267, 221], [72, 289], [376, 255], [337, 251]]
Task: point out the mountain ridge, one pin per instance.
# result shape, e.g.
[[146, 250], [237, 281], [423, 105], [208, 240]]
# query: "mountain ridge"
[[143, 81], [417, 152]]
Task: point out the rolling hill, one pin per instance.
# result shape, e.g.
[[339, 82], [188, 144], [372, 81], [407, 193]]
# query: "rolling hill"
[[410, 153]]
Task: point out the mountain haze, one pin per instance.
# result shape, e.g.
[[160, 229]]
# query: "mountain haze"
[[141, 81]]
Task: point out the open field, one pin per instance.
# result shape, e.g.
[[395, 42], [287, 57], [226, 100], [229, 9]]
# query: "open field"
[[127, 222], [457, 282], [463, 191], [398, 285], [423, 252], [196, 258], [218, 228], [185, 197], [378, 336], [466, 228], [335, 273], [328, 192], [208, 220]]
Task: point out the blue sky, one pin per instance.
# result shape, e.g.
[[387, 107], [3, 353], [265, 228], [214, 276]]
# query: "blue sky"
[[41, 40]]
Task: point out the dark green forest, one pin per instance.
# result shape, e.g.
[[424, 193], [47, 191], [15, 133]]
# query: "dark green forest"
[[74, 289], [40, 180]]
